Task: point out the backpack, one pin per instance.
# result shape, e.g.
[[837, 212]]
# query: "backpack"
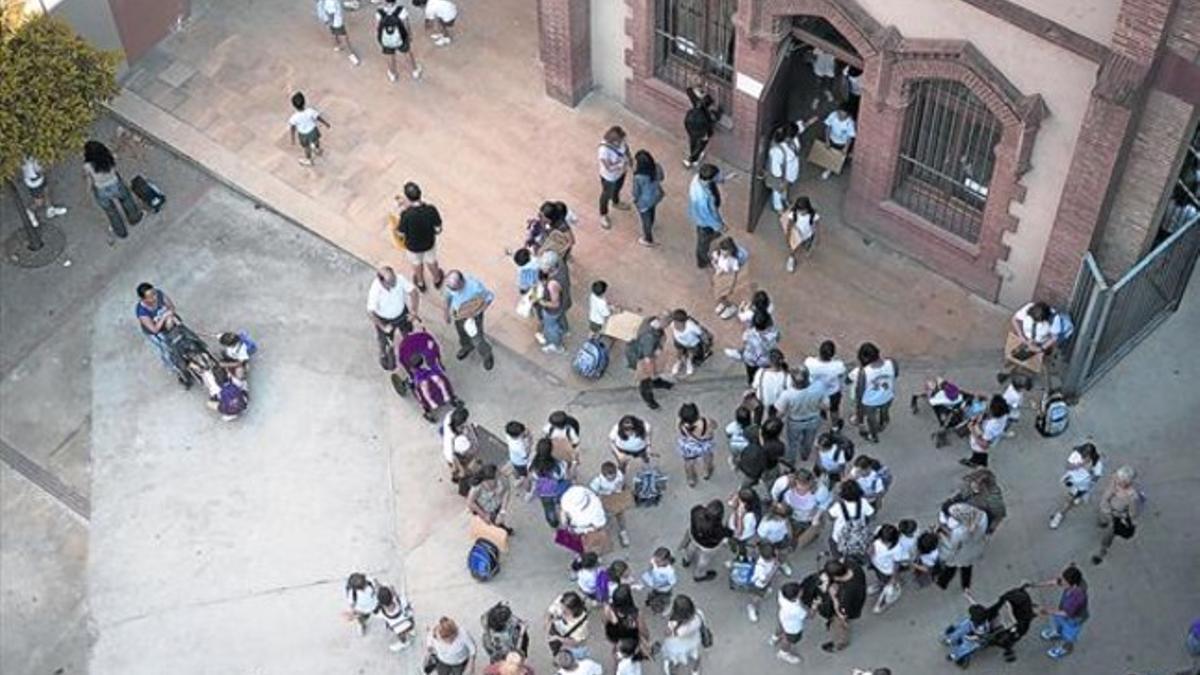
[[1055, 415], [231, 399], [741, 573], [591, 360], [483, 561], [148, 193], [885, 475], [856, 535], [550, 487], [648, 486], [392, 33]]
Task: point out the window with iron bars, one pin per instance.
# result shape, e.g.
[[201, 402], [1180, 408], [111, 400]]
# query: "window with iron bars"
[[947, 154], [1183, 203], [694, 45]]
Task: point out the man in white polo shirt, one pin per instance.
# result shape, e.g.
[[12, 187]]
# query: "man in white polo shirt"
[[389, 301], [839, 133]]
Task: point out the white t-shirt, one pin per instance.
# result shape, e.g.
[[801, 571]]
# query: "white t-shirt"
[[806, 507], [632, 445], [862, 509], [992, 430], [604, 486], [660, 578], [841, 131], [791, 615], [690, 336], [870, 482], [824, 63], [769, 385], [31, 172], [764, 571], [928, 560], [1013, 397], [627, 666], [832, 459], [884, 559], [773, 530], [331, 11], [745, 530], [452, 444], [783, 161], [587, 579], [442, 10], [906, 549], [1039, 332], [388, 303], [402, 14], [879, 383], [584, 667], [854, 82], [304, 121], [612, 156], [1079, 478], [803, 223], [519, 453], [829, 374], [598, 310]]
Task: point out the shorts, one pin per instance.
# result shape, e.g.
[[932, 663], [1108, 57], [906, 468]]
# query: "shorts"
[[403, 49], [37, 192], [792, 638], [310, 139], [337, 30], [520, 471], [422, 258]]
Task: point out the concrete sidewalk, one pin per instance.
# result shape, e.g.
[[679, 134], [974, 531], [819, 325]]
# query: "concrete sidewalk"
[[487, 146]]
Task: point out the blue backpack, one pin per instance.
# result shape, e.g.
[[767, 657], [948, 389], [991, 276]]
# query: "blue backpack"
[[591, 360], [483, 561], [741, 572]]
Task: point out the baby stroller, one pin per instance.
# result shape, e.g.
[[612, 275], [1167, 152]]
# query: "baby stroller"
[[418, 353], [953, 408], [190, 355]]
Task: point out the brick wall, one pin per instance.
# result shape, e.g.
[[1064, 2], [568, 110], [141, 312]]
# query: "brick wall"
[[1149, 173], [564, 27]]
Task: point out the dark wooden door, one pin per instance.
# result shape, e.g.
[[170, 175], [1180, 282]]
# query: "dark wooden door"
[[142, 23], [772, 110]]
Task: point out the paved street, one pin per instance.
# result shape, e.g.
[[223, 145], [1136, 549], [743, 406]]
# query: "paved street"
[[211, 547]]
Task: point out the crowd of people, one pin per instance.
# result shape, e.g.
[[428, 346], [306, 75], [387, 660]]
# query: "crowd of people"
[[796, 477]]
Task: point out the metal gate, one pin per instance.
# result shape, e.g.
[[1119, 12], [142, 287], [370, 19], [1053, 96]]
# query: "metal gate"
[[1113, 319]]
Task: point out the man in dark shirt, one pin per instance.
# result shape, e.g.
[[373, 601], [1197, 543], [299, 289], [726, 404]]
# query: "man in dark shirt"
[[847, 587], [706, 533], [420, 224]]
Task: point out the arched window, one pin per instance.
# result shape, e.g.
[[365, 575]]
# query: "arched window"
[[694, 41], [947, 155]]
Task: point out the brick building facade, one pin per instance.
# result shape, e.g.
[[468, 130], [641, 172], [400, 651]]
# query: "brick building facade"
[[1088, 106]]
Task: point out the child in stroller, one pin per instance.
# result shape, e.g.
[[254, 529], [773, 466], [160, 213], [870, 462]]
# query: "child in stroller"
[[953, 408], [1001, 625], [421, 359]]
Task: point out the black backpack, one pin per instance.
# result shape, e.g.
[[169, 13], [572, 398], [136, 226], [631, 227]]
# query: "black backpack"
[[392, 33]]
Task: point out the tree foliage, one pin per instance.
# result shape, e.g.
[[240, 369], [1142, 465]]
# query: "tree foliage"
[[52, 86]]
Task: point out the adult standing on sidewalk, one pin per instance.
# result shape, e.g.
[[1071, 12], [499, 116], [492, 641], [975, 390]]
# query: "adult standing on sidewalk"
[[35, 182], [704, 209], [392, 304], [699, 122], [156, 314], [1120, 506], [1067, 620], [420, 225], [466, 301], [647, 192], [800, 406], [705, 534], [962, 536], [451, 649], [615, 159], [109, 188], [846, 585]]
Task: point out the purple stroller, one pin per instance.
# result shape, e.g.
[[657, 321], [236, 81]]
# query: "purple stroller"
[[418, 353]]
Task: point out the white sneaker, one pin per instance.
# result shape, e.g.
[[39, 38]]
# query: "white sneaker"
[[398, 646], [773, 640], [391, 76], [826, 174], [541, 339], [553, 349], [55, 211], [416, 73], [623, 537], [337, 48], [791, 265], [815, 103], [304, 161], [728, 312], [436, 36], [605, 222], [354, 58], [829, 96], [1055, 521], [786, 569], [788, 657], [675, 369], [752, 613], [688, 368], [443, 42]]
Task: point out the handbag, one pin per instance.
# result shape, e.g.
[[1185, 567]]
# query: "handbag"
[[569, 540], [1123, 527], [398, 240], [431, 663]]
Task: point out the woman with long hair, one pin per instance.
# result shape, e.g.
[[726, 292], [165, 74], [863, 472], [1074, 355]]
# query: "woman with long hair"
[[799, 223], [647, 192], [108, 187], [683, 642]]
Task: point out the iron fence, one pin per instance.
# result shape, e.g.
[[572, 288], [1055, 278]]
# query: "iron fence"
[[1113, 319]]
